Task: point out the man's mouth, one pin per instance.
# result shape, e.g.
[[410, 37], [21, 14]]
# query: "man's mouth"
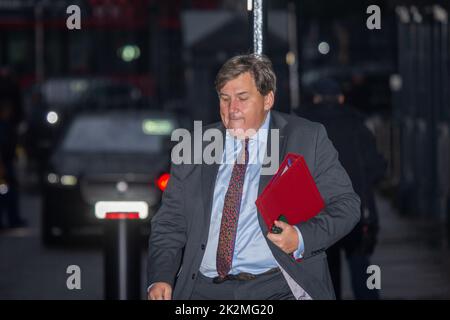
[[235, 118]]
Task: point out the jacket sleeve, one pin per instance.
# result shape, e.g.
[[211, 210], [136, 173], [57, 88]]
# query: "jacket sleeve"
[[342, 204], [168, 232]]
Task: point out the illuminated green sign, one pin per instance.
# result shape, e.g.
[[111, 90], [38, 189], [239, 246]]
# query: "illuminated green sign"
[[157, 127]]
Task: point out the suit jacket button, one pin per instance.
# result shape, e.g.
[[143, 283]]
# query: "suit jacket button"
[[203, 247], [193, 276]]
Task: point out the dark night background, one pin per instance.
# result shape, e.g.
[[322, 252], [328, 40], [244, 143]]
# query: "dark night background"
[[153, 63]]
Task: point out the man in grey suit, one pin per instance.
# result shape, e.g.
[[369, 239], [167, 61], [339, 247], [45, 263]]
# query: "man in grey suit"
[[208, 240]]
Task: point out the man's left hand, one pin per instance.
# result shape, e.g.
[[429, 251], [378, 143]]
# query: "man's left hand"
[[287, 240]]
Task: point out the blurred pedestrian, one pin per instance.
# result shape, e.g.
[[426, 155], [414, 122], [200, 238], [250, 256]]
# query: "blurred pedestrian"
[[10, 117], [365, 166]]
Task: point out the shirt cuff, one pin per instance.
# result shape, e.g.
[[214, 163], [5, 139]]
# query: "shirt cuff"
[[298, 254]]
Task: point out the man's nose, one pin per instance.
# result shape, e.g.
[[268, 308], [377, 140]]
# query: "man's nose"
[[234, 105]]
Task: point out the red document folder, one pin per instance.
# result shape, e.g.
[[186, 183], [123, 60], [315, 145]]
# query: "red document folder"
[[291, 192]]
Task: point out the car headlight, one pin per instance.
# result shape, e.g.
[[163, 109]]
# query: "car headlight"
[[65, 180], [52, 117], [52, 178], [68, 180]]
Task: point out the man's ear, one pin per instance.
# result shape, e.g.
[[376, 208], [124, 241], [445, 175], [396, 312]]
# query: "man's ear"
[[269, 99]]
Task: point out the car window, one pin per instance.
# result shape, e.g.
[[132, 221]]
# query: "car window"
[[118, 134], [57, 93], [97, 92]]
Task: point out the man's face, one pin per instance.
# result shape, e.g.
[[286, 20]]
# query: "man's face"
[[242, 107]]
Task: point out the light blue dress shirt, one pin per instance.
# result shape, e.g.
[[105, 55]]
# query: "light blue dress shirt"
[[251, 252]]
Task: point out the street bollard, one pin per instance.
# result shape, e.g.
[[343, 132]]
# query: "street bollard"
[[122, 247]]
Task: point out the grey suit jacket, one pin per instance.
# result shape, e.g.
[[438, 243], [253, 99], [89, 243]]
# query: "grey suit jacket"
[[179, 230]]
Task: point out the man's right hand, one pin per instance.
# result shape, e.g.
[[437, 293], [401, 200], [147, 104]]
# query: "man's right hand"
[[160, 291]]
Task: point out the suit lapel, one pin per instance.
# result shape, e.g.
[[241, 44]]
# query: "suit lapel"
[[276, 122], [209, 175]]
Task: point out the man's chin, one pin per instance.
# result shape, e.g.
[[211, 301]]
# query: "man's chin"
[[238, 132], [241, 133], [236, 125]]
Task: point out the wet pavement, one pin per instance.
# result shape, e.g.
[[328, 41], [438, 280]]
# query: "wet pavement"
[[413, 257]]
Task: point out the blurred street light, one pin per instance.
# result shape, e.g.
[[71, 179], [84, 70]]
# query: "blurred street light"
[[129, 53], [324, 47], [3, 189]]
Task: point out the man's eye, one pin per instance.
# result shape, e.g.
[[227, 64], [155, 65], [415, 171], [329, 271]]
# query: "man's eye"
[[243, 98]]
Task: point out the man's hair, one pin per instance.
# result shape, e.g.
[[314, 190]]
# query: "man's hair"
[[259, 67]]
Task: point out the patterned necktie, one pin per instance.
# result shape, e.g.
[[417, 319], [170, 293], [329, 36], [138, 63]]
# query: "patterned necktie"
[[230, 216]]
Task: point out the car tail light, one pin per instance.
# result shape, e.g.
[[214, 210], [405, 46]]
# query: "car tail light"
[[162, 181]]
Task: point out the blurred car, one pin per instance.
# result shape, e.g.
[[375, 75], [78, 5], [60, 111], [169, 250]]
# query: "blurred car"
[[119, 156], [50, 106]]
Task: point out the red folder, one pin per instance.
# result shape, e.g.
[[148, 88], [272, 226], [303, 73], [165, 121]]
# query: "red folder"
[[291, 192]]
